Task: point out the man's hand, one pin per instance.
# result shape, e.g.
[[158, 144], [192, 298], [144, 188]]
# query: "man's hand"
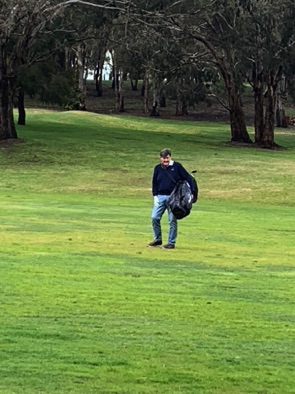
[[156, 201]]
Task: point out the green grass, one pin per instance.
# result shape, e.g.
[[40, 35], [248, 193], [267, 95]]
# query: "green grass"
[[86, 307]]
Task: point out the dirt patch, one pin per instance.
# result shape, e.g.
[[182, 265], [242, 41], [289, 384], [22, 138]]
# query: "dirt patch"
[[9, 143]]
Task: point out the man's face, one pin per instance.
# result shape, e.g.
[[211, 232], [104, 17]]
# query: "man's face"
[[165, 160]]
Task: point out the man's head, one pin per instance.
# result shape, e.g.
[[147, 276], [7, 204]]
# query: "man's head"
[[165, 157]]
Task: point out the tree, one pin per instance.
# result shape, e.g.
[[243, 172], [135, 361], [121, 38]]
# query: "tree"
[[21, 25], [218, 32], [213, 28], [266, 48]]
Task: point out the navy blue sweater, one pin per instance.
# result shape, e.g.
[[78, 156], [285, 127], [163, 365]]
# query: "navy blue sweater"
[[163, 184]]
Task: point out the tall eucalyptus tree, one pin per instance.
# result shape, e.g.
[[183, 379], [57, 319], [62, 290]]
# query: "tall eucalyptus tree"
[[214, 26], [268, 41]]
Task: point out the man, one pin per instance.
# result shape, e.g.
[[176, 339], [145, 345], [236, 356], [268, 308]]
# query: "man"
[[165, 176]]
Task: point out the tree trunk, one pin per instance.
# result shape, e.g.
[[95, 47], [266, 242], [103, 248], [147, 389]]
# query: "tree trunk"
[[121, 92], [238, 127], [159, 100], [267, 139], [98, 80], [257, 84], [21, 108], [184, 110], [155, 111], [115, 82], [280, 95], [281, 118], [134, 84], [258, 113], [117, 93], [98, 76], [155, 107], [146, 93], [162, 102], [81, 56], [67, 59], [142, 90], [177, 107], [7, 125], [118, 84], [7, 88]]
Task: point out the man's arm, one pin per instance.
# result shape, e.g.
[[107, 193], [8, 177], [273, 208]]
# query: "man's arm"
[[154, 183]]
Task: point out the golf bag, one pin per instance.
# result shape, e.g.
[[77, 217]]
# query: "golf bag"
[[180, 200], [196, 187]]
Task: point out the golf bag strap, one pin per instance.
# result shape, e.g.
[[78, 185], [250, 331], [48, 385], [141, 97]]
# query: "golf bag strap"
[[171, 177]]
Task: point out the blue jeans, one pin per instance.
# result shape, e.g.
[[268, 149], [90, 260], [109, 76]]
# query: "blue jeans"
[[160, 206]]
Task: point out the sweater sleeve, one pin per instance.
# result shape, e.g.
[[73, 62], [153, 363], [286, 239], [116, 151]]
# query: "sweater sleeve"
[[154, 183]]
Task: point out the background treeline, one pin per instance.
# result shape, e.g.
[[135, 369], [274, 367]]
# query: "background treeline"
[[191, 51]]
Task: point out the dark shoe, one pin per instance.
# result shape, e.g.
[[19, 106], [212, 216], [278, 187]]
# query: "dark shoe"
[[155, 243], [169, 246]]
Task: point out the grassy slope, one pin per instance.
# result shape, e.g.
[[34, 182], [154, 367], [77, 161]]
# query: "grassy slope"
[[86, 307]]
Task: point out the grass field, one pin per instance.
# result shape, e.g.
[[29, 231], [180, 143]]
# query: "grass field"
[[86, 307]]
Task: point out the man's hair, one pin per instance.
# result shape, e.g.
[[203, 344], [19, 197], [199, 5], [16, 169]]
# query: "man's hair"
[[165, 152]]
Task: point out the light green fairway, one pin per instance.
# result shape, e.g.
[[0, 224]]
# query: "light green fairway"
[[86, 307]]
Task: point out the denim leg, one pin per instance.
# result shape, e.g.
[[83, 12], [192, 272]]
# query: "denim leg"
[[172, 227], [157, 213]]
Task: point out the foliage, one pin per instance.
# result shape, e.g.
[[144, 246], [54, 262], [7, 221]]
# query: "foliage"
[[50, 84]]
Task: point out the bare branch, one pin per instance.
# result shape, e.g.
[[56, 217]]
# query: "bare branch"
[[220, 101]]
